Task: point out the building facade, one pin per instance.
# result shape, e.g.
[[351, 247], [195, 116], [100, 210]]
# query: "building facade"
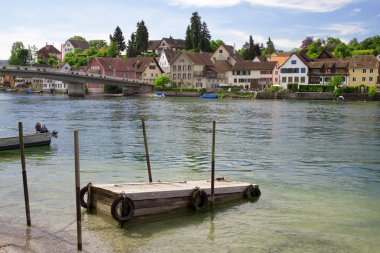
[[294, 70], [363, 70]]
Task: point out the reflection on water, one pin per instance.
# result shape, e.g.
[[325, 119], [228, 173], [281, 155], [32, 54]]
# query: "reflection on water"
[[316, 162]]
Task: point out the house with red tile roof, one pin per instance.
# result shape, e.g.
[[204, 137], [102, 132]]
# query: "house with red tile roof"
[[139, 68], [48, 51], [253, 75], [196, 70]]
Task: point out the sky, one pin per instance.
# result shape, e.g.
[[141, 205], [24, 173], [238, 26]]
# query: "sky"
[[287, 23]]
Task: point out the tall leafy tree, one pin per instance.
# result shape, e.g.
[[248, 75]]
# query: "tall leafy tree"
[[214, 44], [195, 30], [19, 55], [270, 47], [77, 37], [131, 48], [305, 43], [204, 43], [315, 49], [188, 41], [331, 43], [342, 50], [142, 37], [353, 44], [119, 40], [98, 43]]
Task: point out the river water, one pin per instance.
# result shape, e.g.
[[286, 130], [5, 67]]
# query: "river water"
[[317, 164]]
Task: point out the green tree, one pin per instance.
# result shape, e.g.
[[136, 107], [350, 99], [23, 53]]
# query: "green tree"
[[142, 37], [161, 81], [131, 48], [305, 43], [195, 30], [315, 49], [204, 43], [118, 38], [188, 42], [77, 37], [332, 43], [250, 50], [337, 81], [112, 50], [52, 62], [342, 50], [98, 43], [18, 52], [214, 44], [353, 44], [270, 47]]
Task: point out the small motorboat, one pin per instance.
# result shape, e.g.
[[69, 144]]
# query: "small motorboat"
[[160, 94], [209, 96], [41, 137]]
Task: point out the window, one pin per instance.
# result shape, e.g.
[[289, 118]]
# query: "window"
[[363, 79], [152, 67], [353, 70], [220, 51], [189, 68], [179, 67], [302, 79], [364, 71], [184, 68], [244, 72], [290, 79], [249, 72], [238, 72], [189, 76], [174, 76], [370, 70], [293, 62], [235, 80], [174, 68], [283, 79], [354, 79], [296, 79], [370, 79]]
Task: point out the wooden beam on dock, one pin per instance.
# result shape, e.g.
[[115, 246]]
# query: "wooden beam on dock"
[[213, 162], [77, 189], [146, 151]]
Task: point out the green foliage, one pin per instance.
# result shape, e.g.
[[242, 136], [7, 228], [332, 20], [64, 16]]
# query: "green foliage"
[[188, 42], [150, 54], [273, 89], [341, 50], [112, 50], [337, 81], [131, 48], [214, 44], [232, 88], [372, 91], [118, 40], [315, 88], [197, 35], [195, 30], [52, 62], [142, 37], [362, 52], [250, 50], [315, 49], [19, 55], [161, 81], [293, 87], [204, 43], [270, 47], [77, 37], [337, 92], [98, 43]]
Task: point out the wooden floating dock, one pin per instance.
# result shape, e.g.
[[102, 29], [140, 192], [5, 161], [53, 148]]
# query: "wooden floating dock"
[[127, 201]]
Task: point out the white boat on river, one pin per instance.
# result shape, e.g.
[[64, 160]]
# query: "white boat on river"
[[39, 138]]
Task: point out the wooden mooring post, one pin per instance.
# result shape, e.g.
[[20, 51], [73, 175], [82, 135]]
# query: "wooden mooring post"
[[77, 189], [213, 162], [24, 177], [146, 151]]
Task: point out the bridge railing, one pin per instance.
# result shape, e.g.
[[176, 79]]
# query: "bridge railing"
[[71, 72]]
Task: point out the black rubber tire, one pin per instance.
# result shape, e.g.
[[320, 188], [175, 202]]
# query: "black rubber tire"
[[127, 209], [198, 199], [83, 192], [252, 192]]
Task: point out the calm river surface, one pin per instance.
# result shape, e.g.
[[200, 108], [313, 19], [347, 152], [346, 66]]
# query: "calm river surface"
[[317, 164]]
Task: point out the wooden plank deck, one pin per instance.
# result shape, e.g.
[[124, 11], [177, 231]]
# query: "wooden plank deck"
[[142, 199]]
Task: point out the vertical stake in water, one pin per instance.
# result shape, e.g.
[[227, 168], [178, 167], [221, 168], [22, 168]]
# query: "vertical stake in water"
[[213, 162], [146, 151], [24, 178], [77, 190]]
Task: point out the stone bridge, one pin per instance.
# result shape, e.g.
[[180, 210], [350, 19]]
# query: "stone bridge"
[[76, 80]]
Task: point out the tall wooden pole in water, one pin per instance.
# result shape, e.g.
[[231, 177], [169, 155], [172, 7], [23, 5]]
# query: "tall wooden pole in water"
[[24, 178], [77, 190], [146, 151], [213, 162]]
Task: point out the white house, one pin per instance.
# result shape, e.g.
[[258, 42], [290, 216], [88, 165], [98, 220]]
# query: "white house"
[[50, 85], [294, 70], [165, 58], [71, 45]]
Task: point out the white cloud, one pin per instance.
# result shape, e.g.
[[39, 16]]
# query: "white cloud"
[[299, 5], [355, 11], [345, 29]]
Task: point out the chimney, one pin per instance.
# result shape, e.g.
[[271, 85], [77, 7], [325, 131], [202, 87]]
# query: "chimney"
[[234, 49]]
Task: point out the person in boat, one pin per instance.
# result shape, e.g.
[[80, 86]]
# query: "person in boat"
[[41, 128]]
